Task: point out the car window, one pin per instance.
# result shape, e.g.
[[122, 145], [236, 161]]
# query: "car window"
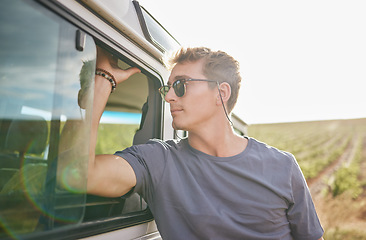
[[47, 68], [39, 71]]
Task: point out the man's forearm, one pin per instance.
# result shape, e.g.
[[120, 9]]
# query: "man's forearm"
[[71, 169], [102, 90]]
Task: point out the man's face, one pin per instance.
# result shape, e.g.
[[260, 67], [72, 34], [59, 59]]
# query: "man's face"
[[196, 106]]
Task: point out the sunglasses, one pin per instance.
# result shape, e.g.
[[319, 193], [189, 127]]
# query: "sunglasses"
[[179, 86]]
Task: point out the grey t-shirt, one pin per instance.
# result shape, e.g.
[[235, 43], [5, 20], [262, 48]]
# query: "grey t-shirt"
[[258, 194]]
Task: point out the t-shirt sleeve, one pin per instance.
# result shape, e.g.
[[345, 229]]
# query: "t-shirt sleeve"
[[147, 161], [304, 222]]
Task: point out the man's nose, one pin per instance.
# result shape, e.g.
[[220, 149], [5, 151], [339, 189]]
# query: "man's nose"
[[170, 96]]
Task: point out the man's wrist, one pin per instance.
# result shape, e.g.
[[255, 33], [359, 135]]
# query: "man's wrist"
[[107, 75]]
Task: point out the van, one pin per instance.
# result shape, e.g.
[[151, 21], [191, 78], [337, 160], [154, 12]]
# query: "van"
[[47, 66]]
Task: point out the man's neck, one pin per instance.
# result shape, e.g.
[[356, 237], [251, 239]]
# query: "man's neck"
[[220, 142]]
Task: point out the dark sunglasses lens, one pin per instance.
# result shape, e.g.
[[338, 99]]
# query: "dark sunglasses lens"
[[179, 88], [163, 91]]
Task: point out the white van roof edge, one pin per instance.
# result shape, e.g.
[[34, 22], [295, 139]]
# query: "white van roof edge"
[[100, 7]]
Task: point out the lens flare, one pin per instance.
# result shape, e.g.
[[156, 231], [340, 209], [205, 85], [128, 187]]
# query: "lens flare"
[[30, 200]]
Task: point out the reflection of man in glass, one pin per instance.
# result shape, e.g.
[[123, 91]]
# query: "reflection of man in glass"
[[213, 184], [86, 76], [73, 144]]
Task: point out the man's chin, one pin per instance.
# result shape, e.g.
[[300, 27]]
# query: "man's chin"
[[174, 126], [177, 126]]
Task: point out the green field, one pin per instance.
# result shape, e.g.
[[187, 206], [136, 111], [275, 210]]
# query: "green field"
[[115, 137], [332, 156]]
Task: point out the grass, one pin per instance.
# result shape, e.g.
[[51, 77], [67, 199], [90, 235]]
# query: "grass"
[[114, 137], [315, 144]]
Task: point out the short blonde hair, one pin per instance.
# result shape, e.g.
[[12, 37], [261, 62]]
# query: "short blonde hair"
[[218, 66]]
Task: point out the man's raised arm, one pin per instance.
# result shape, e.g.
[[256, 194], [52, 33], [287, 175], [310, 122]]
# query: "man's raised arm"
[[108, 175]]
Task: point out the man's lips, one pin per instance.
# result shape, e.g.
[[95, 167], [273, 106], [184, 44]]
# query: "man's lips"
[[175, 110]]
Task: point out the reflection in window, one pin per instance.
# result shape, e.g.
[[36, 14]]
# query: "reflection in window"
[[45, 105], [40, 82]]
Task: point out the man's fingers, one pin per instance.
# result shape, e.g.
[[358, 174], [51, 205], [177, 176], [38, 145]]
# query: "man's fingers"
[[125, 74], [132, 71]]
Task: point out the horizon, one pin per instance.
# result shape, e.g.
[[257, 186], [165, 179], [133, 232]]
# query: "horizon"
[[306, 121]]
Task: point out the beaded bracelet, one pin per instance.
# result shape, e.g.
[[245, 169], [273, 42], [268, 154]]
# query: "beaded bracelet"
[[107, 75]]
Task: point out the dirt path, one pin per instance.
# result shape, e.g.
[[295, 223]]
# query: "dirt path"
[[317, 184], [362, 176], [342, 212]]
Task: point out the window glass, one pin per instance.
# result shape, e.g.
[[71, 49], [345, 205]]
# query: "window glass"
[[154, 32], [45, 101], [46, 93], [180, 134]]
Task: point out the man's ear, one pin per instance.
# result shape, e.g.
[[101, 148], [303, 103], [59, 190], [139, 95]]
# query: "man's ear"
[[225, 92]]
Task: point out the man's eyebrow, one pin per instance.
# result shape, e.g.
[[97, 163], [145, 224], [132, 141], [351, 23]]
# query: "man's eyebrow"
[[182, 77], [178, 77]]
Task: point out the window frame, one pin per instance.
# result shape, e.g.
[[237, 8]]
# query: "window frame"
[[144, 16]]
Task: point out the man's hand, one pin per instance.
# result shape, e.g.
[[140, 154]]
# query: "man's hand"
[[108, 62]]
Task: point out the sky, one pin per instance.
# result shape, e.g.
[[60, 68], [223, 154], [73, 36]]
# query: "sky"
[[299, 60]]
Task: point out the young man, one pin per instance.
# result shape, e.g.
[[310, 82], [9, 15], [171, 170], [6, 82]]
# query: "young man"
[[214, 184]]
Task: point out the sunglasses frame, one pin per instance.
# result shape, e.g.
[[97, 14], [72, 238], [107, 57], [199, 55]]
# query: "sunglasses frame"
[[163, 90]]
